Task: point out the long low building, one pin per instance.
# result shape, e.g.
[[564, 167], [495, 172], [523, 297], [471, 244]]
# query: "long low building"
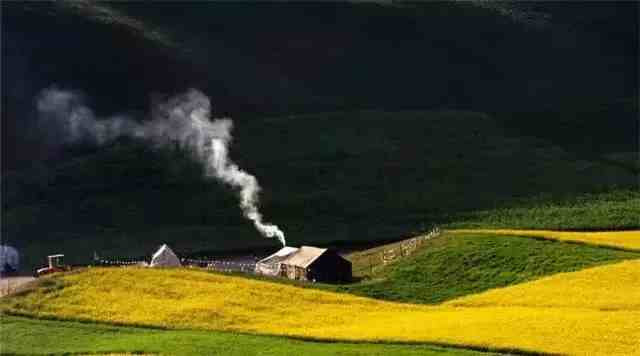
[[306, 264]]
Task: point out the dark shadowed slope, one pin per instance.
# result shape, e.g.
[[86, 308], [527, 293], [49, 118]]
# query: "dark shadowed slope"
[[292, 58], [356, 176], [508, 112]]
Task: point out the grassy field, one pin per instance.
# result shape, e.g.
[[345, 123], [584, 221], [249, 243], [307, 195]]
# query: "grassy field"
[[193, 299], [454, 265], [613, 210], [626, 240], [23, 336]]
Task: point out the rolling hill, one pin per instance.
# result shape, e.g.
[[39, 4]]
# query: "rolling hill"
[[362, 121], [621, 240], [469, 262], [573, 77], [327, 178], [199, 300], [511, 125]]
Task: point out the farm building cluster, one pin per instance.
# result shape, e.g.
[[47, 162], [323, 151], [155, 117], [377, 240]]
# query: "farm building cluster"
[[306, 263]]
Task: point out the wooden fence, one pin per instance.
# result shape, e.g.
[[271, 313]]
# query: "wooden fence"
[[407, 247], [221, 265], [117, 262], [213, 264]]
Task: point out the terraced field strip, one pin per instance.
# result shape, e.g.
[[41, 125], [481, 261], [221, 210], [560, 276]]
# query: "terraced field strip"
[[614, 287], [628, 240], [190, 299], [46, 337]]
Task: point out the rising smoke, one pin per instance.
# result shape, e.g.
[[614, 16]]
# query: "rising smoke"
[[183, 119]]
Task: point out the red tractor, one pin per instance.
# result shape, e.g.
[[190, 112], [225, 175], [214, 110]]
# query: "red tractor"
[[56, 264]]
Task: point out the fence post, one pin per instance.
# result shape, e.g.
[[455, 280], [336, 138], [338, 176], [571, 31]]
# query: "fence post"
[[370, 265]]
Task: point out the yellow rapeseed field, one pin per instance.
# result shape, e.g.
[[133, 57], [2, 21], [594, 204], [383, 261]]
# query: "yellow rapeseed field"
[[629, 240], [181, 298], [613, 287]]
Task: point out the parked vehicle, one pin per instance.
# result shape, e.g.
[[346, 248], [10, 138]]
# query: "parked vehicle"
[[56, 264]]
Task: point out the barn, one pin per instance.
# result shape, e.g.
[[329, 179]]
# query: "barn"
[[306, 263]]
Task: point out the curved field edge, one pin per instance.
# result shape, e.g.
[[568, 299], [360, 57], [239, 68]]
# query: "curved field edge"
[[38, 336], [454, 265], [199, 300], [450, 266], [625, 240], [613, 287]]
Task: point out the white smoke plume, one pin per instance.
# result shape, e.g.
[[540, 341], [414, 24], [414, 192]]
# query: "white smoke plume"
[[184, 119]]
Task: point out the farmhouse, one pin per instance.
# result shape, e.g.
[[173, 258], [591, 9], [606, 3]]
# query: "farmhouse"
[[306, 264]]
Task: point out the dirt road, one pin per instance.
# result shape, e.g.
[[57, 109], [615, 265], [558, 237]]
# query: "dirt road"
[[12, 284]]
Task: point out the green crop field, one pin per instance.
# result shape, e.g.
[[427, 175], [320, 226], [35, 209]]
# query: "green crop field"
[[617, 209], [23, 336]]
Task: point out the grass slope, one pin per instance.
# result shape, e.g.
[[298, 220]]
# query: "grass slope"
[[613, 210], [23, 336], [193, 299], [625, 240], [363, 56], [353, 176], [220, 50], [455, 265]]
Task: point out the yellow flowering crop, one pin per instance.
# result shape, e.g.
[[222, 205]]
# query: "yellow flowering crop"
[[181, 298], [611, 287], [629, 240]]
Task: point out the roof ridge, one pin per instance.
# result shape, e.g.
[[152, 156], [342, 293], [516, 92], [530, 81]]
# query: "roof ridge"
[[292, 259]]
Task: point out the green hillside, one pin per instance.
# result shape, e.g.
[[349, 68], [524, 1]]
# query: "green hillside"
[[451, 266], [350, 177], [365, 123], [617, 209], [577, 73], [22, 336], [448, 113]]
